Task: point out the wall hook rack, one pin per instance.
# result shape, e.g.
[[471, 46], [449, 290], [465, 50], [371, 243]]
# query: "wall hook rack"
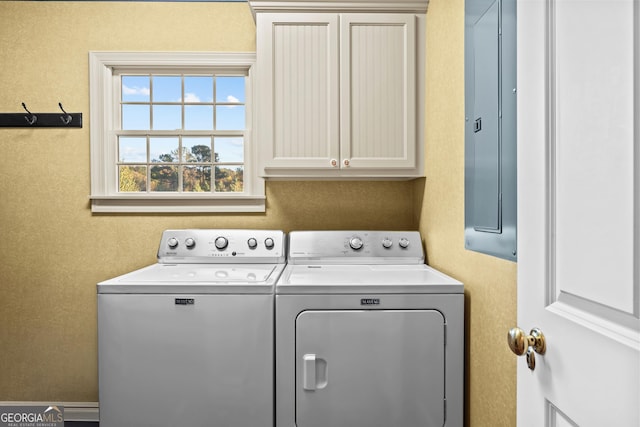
[[41, 120]]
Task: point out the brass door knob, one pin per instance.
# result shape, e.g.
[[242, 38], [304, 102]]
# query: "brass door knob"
[[521, 343]]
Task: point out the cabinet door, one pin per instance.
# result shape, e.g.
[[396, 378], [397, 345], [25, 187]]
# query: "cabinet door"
[[297, 87], [378, 95], [362, 368]]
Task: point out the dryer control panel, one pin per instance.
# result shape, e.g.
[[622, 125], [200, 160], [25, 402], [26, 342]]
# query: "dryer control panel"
[[355, 247], [222, 246]]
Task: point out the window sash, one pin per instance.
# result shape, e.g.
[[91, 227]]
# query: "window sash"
[[181, 164], [217, 87]]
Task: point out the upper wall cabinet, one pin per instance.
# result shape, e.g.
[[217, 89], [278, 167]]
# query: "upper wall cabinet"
[[340, 89]]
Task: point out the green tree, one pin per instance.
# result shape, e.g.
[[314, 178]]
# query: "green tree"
[[229, 180], [197, 177], [133, 179]]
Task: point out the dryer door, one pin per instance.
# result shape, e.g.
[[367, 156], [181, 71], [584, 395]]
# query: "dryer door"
[[361, 368]]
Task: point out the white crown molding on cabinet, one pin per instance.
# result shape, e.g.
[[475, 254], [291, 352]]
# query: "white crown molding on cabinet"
[[352, 6]]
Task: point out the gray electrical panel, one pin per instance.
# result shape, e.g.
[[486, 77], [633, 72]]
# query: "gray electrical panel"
[[490, 127]]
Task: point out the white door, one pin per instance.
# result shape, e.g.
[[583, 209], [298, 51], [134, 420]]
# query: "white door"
[[578, 210]]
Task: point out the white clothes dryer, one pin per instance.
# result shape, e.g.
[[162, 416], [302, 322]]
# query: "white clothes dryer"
[[189, 341], [367, 335]]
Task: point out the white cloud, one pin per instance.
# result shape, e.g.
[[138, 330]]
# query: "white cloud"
[[237, 141], [191, 97], [231, 98], [135, 90]]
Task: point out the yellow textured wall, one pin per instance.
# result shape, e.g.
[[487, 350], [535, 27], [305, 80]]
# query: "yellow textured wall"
[[52, 249], [490, 283]]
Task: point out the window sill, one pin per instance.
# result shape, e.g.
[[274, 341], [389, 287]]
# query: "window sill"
[[172, 203]]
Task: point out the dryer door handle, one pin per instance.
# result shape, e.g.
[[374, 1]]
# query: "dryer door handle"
[[309, 372], [314, 372]]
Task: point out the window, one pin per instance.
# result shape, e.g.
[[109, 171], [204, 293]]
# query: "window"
[[171, 132]]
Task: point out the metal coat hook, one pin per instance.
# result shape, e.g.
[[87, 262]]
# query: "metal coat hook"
[[66, 119], [31, 118], [41, 120]]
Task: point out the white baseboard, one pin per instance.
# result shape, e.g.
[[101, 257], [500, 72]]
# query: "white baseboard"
[[73, 411]]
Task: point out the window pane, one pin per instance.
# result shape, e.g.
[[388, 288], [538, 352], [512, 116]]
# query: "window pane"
[[135, 88], [230, 117], [229, 149], [135, 117], [198, 117], [196, 150], [230, 89], [132, 149], [167, 117], [163, 150], [198, 89], [164, 178], [167, 89], [132, 178], [196, 178], [229, 179]]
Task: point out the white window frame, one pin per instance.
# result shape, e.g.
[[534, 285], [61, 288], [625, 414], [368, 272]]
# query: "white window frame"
[[104, 90]]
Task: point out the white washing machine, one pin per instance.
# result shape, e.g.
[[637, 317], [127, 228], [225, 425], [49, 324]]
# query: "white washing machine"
[[367, 335], [189, 341]]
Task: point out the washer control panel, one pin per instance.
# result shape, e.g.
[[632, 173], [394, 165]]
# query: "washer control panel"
[[222, 246], [355, 247]]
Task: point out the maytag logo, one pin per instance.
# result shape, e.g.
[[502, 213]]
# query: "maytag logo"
[[31, 416], [185, 301], [370, 301]]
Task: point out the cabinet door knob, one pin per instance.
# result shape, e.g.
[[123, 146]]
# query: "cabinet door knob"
[[334, 162], [346, 162]]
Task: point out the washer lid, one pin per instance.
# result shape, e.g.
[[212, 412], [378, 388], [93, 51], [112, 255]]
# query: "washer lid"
[[356, 279], [196, 278]]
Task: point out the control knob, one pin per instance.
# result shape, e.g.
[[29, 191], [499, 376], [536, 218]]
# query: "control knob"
[[190, 243], [404, 243], [356, 243], [387, 243], [221, 242], [269, 243], [252, 242], [172, 242]]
